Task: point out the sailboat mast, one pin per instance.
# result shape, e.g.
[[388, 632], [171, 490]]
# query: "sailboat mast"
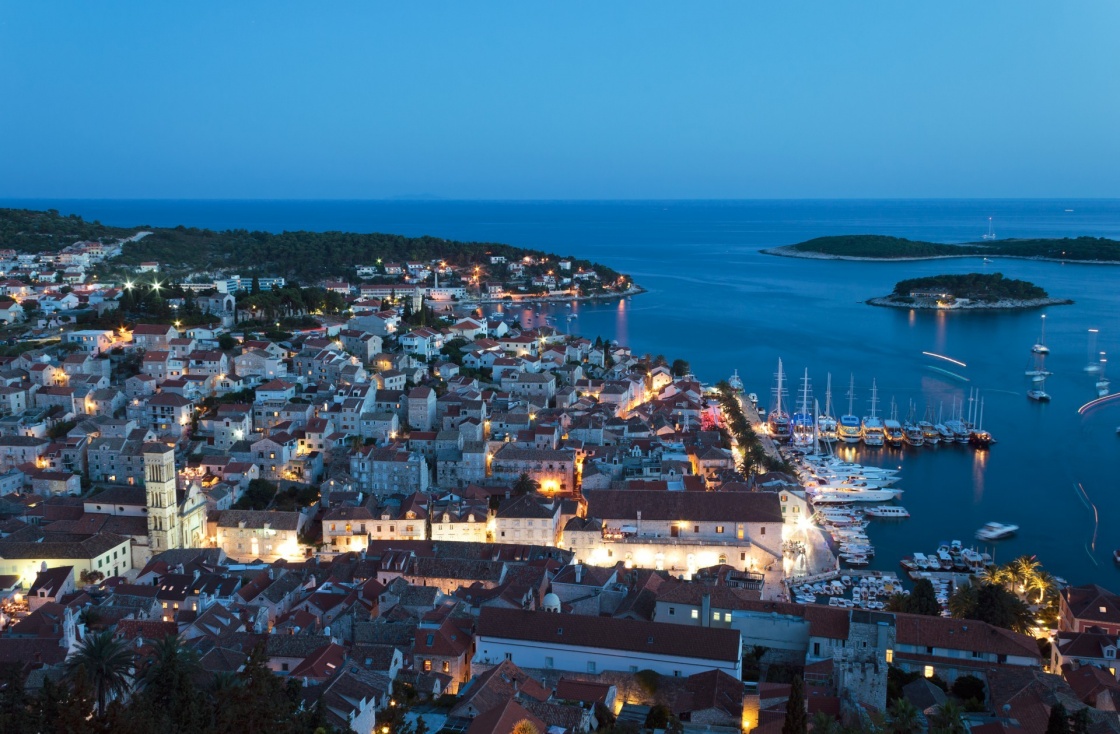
[[852, 396]]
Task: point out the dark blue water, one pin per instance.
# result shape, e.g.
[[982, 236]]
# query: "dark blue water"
[[716, 301]]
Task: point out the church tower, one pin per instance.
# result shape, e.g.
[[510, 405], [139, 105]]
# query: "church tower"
[[160, 486]]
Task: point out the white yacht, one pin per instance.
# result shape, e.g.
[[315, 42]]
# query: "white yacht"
[[887, 511], [835, 497], [996, 531]]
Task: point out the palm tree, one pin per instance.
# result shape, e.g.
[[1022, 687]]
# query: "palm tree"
[[903, 718], [1000, 574], [1024, 568], [949, 719], [108, 665], [1043, 582], [963, 602]]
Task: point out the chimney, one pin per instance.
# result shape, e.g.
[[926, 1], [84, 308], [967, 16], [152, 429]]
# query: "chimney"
[[706, 609], [579, 573]]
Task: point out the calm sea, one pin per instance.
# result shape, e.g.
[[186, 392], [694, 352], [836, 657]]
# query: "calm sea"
[[716, 301]]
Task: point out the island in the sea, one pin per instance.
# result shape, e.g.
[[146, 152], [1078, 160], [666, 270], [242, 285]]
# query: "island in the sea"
[[882, 247], [971, 291]]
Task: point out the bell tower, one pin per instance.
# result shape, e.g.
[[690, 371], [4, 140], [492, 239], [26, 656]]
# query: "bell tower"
[[160, 486]]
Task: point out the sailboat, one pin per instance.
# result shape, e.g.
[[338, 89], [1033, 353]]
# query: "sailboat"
[[1040, 346], [1039, 392], [849, 430], [872, 425], [991, 234], [892, 429], [802, 423], [929, 431], [957, 425], [1092, 365], [1036, 367], [978, 437], [1102, 381], [943, 430], [911, 431], [826, 424], [778, 420]]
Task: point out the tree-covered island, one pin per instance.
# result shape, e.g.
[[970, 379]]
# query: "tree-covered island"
[[882, 247], [969, 291]]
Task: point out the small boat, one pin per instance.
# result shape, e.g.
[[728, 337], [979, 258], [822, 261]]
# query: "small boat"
[[996, 531], [1039, 395], [887, 511], [990, 236], [1116, 556], [1040, 346]]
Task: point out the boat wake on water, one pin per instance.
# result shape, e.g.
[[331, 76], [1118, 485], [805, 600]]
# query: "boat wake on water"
[[947, 372]]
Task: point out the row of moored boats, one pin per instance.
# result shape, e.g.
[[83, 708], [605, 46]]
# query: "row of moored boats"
[[809, 426]]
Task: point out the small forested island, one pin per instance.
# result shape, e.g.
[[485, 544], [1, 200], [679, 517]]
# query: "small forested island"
[[969, 291], [882, 247]]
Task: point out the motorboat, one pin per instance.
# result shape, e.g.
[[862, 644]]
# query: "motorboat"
[[835, 497], [996, 531], [887, 511], [1039, 395]]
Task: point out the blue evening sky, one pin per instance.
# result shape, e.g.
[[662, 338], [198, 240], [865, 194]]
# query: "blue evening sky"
[[562, 100]]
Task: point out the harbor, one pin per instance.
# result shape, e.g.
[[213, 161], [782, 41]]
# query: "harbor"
[[832, 547]]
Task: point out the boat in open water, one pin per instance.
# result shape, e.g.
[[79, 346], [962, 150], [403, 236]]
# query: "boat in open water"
[[996, 531]]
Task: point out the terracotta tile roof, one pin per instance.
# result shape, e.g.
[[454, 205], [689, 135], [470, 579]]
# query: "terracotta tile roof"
[[1092, 603], [960, 634], [610, 634], [582, 690], [608, 504], [496, 686]]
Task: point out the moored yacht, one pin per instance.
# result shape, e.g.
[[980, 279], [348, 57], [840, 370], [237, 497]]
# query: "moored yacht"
[[887, 511], [849, 429], [777, 421], [827, 428], [871, 428], [892, 429]]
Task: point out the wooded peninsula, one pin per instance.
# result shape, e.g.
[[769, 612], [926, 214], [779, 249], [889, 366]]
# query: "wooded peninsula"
[[301, 256], [882, 247]]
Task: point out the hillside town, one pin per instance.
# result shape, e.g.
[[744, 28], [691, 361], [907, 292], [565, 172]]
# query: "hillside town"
[[434, 519]]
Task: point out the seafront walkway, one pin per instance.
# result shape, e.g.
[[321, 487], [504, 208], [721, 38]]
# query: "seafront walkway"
[[755, 420]]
